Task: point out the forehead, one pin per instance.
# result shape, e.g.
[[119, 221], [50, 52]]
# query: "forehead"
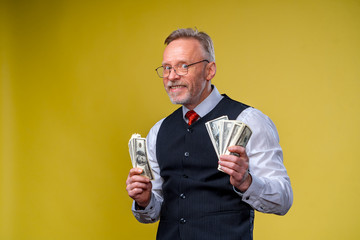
[[188, 49]]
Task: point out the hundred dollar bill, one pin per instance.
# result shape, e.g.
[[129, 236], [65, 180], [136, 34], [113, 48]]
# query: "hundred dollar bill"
[[138, 155], [239, 136], [224, 133], [228, 126], [131, 147], [214, 128]]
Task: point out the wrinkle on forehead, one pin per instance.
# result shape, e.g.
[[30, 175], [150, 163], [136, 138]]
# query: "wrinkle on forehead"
[[183, 50]]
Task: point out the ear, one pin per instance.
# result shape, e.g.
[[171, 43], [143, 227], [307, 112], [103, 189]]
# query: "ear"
[[210, 71]]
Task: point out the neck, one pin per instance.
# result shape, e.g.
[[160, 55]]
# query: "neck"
[[207, 91]]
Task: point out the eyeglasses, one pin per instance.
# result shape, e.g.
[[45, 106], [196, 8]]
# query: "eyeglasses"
[[180, 69]]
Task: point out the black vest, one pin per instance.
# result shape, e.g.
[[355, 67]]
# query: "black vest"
[[199, 201]]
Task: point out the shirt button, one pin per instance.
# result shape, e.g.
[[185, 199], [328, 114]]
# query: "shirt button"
[[187, 154], [182, 196], [182, 220]]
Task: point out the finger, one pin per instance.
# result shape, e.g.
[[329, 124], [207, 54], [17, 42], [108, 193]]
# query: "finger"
[[134, 193], [237, 149], [229, 158], [135, 171], [138, 185], [237, 176], [227, 170], [241, 161], [139, 178], [233, 166], [235, 163], [128, 181], [134, 175], [137, 192], [137, 189]]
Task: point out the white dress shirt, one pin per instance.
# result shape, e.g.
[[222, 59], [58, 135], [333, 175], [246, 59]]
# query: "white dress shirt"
[[270, 190]]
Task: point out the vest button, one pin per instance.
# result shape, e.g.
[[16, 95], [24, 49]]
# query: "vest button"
[[185, 176], [187, 154], [182, 196], [189, 130], [182, 220]]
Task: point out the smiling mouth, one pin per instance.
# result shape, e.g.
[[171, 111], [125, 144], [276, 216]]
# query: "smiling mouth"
[[176, 87]]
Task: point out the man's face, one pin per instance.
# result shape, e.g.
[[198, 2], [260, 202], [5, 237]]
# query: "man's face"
[[192, 88]]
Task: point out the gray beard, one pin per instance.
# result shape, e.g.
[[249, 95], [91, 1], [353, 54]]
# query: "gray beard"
[[182, 102]]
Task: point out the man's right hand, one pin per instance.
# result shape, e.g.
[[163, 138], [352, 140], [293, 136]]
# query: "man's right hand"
[[138, 187]]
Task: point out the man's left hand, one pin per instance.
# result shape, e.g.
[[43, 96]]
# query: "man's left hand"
[[237, 167]]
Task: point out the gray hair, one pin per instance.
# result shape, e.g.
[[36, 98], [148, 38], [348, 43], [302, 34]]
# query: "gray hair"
[[202, 37]]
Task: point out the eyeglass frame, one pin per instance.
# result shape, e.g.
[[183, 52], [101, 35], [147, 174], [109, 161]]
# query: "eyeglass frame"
[[187, 66]]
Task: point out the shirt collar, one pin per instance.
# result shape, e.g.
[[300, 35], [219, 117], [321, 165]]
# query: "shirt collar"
[[206, 105]]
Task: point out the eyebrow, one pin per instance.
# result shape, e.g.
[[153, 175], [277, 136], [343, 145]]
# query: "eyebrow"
[[178, 62]]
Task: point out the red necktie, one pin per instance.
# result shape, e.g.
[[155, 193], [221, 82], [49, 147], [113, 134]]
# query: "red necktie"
[[192, 116]]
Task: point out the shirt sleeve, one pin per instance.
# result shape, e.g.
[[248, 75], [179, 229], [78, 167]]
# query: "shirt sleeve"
[[270, 190], [151, 213]]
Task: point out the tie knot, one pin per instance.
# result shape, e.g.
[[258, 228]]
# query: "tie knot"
[[192, 116]]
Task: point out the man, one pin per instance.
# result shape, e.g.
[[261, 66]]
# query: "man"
[[190, 196]]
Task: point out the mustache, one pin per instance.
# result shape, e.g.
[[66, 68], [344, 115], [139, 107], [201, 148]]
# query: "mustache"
[[172, 84]]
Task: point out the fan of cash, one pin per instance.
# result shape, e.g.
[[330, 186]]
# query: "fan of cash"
[[224, 133], [138, 155]]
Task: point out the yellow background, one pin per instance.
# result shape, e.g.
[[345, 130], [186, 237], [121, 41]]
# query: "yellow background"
[[77, 79]]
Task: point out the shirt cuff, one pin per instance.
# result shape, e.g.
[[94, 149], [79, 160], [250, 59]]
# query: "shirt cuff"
[[252, 195], [146, 215], [149, 207]]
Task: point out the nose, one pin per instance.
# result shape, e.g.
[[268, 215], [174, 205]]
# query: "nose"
[[173, 75]]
